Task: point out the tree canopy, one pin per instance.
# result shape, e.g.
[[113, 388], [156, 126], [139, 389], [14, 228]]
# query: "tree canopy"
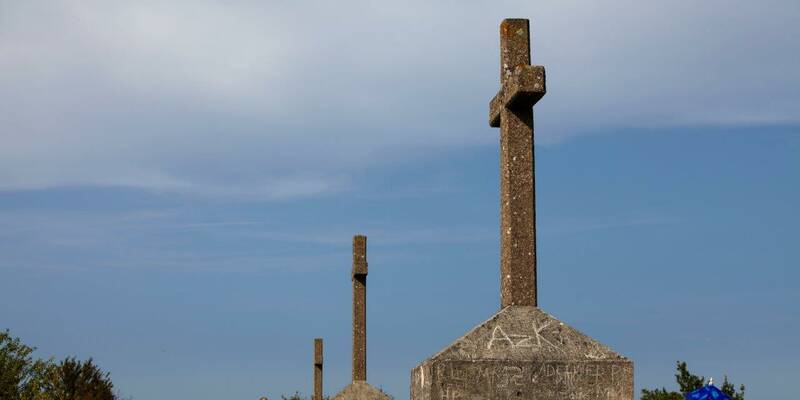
[[688, 382], [24, 378]]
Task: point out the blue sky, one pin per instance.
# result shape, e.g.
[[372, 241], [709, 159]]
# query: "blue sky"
[[179, 184]]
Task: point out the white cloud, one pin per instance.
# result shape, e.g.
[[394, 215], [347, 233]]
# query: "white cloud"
[[273, 100]]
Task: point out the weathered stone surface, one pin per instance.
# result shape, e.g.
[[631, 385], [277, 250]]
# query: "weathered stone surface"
[[523, 353], [317, 369], [360, 390], [318, 351], [359, 255], [359, 277], [517, 181], [523, 88]]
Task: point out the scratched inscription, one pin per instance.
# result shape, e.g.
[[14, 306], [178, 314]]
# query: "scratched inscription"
[[493, 380], [515, 340]]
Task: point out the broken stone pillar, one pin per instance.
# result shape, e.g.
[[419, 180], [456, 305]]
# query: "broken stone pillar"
[[359, 389], [359, 278], [521, 352], [317, 369]]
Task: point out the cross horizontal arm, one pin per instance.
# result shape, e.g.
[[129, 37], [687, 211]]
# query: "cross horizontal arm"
[[523, 88]]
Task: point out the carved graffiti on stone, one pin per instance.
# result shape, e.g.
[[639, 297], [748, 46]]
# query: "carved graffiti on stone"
[[499, 335], [552, 380], [515, 341], [541, 339]]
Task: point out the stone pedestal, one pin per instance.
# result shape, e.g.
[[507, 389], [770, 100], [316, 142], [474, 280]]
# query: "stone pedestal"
[[524, 353], [360, 390]]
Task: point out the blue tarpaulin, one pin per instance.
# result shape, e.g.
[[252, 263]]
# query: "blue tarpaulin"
[[708, 392]]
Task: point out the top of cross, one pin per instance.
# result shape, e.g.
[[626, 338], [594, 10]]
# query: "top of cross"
[[359, 255], [318, 351], [521, 83]]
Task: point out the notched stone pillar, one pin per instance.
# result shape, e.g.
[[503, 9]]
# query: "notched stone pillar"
[[318, 369], [359, 389], [359, 277]]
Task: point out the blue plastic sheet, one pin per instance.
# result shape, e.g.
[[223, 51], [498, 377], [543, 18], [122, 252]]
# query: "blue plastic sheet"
[[708, 392]]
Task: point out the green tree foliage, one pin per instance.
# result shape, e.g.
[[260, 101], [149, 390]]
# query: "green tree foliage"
[[295, 396], [73, 379], [660, 394], [24, 378], [688, 382], [729, 388], [21, 377], [15, 363]]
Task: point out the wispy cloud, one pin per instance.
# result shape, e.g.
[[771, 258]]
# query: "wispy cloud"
[[171, 239], [274, 100]]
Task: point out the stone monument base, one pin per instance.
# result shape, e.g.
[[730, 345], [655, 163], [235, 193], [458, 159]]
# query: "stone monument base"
[[524, 353], [361, 390]]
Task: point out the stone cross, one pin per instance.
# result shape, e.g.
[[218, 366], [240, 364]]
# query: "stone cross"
[[522, 85], [521, 352], [317, 369], [359, 389], [359, 277]]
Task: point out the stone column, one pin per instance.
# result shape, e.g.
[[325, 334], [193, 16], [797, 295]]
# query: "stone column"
[[359, 277], [317, 369]]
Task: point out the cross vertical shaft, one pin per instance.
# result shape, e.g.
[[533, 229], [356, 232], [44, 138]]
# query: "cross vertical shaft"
[[522, 85], [317, 369], [359, 277]]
